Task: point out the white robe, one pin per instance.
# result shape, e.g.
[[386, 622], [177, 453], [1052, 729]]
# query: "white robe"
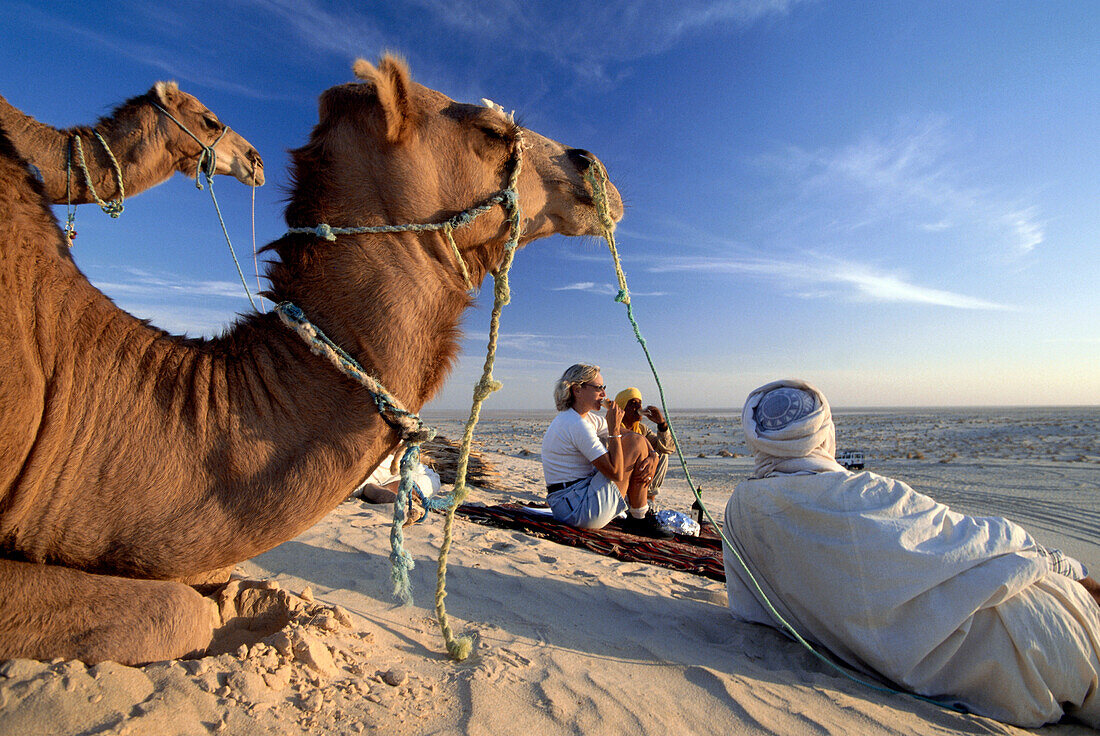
[[954, 607]]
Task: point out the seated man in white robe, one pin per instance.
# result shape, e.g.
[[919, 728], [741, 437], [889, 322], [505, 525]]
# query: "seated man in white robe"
[[968, 610]]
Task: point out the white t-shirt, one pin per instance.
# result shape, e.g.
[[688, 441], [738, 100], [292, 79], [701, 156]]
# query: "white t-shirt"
[[425, 478], [571, 443]]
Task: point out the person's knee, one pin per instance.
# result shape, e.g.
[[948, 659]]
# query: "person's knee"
[[634, 447]]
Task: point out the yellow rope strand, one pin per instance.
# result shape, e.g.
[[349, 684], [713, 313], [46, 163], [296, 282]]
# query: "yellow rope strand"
[[448, 230], [112, 207], [459, 648]]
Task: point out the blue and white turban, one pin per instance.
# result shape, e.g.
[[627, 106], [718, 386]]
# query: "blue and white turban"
[[780, 407], [789, 428]]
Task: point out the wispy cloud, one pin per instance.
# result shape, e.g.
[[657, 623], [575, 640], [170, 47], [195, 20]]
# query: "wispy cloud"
[[523, 346], [810, 279], [591, 287], [345, 32], [1029, 233], [192, 321], [611, 32], [201, 308], [179, 63], [913, 176], [138, 282]]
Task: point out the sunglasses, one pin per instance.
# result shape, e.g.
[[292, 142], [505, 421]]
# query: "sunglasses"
[[600, 388]]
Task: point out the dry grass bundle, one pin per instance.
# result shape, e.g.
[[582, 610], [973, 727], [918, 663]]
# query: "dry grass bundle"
[[441, 454]]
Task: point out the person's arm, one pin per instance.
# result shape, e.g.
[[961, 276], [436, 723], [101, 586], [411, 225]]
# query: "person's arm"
[[662, 441], [1061, 563], [611, 463], [1092, 587]]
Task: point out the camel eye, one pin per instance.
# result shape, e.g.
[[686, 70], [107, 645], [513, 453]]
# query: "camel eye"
[[210, 123], [494, 134]]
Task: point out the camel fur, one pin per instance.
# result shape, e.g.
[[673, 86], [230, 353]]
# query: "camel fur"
[[147, 144], [133, 458]]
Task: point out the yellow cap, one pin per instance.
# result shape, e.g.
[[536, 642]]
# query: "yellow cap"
[[624, 396]]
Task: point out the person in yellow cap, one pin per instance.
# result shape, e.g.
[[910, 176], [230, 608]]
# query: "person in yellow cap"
[[594, 471], [630, 401]]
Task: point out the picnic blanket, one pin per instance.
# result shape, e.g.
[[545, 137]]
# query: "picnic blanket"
[[700, 555]]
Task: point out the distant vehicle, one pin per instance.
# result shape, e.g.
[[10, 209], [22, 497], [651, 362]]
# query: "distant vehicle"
[[851, 459]]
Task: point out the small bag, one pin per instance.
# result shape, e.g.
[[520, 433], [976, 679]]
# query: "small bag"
[[678, 522]]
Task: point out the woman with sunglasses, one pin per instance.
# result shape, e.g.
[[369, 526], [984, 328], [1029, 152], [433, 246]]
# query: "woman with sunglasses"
[[594, 470]]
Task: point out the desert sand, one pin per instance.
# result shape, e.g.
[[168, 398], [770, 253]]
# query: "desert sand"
[[567, 641]]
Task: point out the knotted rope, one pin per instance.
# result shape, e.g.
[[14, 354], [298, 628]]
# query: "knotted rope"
[[409, 427], [596, 177], [207, 162], [505, 198], [113, 207], [460, 648]]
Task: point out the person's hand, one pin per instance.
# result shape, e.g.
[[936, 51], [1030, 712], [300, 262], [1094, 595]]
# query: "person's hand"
[[614, 417], [653, 414], [1092, 587]]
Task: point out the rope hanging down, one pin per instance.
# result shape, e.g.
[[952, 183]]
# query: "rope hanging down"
[[409, 426], [596, 177], [206, 165], [460, 648], [401, 561]]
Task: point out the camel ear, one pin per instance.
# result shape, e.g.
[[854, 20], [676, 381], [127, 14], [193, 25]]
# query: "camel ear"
[[392, 86], [166, 92]]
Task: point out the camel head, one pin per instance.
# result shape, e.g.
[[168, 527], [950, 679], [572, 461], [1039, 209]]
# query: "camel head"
[[388, 150], [236, 156]]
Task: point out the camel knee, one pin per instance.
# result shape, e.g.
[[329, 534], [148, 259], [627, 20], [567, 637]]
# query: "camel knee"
[[186, 626], [48, 611], [165, 621]]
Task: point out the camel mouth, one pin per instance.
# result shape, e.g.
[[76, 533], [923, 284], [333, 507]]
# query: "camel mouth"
[[614, 202], [236, 157], [250, 174]]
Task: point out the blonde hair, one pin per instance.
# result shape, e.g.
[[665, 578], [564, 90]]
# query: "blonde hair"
[[574, 376]]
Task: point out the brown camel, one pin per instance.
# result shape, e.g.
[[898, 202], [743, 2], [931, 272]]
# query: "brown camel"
[[132, 458], [147, 144]]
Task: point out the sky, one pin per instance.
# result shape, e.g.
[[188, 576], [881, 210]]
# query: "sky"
[[896, 201]]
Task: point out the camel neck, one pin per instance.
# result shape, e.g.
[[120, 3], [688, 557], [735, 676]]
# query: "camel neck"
[[409, 425], [49, 150]]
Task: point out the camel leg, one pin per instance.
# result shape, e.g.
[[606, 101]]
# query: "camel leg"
[[207, 582], [48, 611]]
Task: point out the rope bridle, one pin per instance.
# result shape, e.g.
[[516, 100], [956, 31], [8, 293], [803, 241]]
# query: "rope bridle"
[[207, 165], [409, 426], [207, 162], [113, 208]]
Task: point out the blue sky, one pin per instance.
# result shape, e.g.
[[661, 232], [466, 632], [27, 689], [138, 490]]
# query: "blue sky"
[[897, 201]]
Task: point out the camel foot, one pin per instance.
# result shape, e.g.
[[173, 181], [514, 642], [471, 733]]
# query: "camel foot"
[[48, 611]]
